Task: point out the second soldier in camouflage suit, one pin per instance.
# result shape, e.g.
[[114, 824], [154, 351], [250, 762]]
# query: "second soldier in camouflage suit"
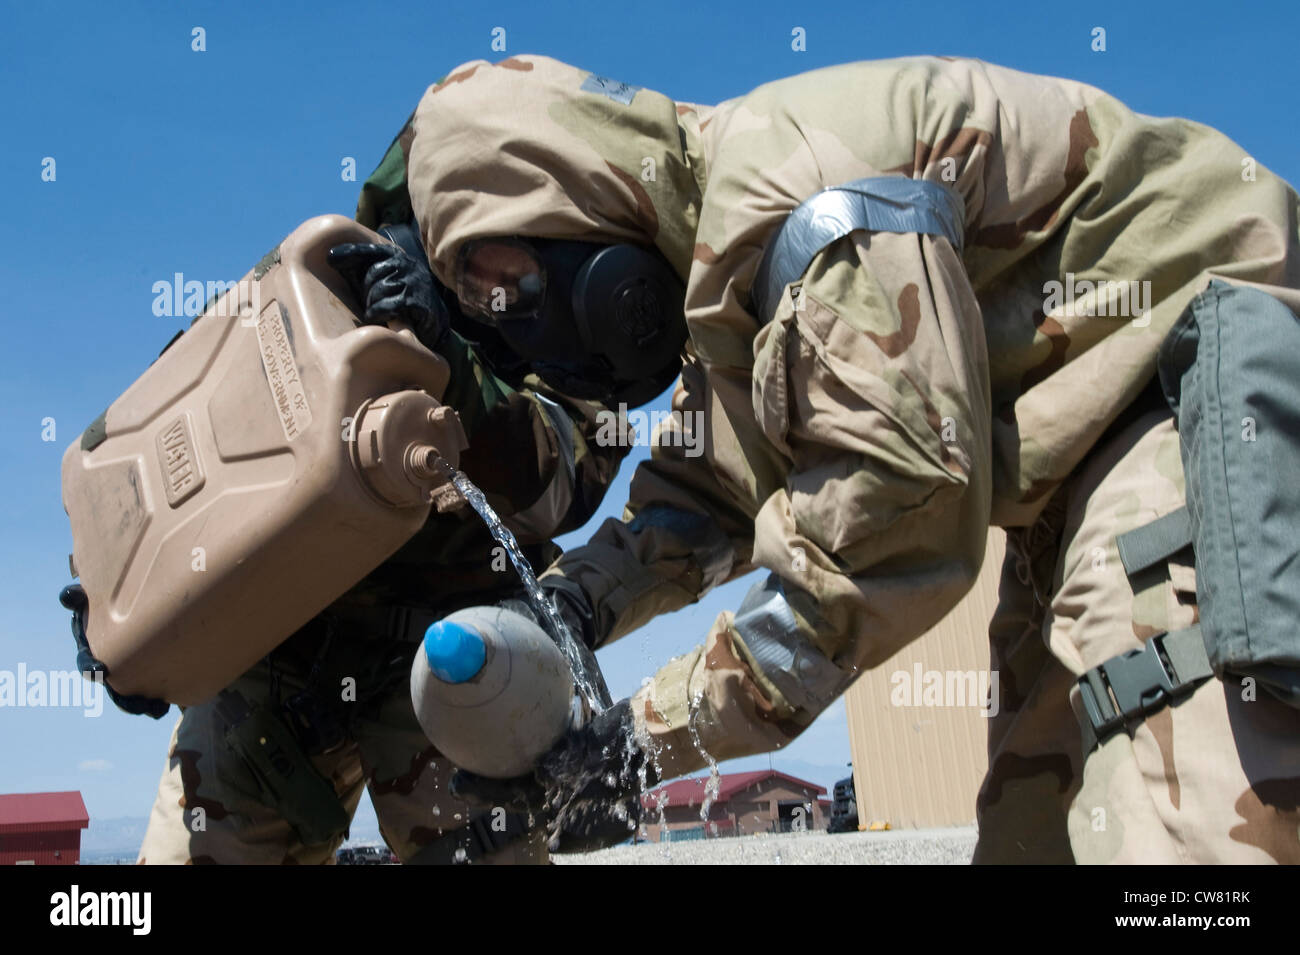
[[337, 692], [908, 393]]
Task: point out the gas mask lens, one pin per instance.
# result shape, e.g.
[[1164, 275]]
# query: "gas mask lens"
[[500, 278]]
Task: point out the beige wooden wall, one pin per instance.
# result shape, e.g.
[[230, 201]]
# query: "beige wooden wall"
[[919, 766]]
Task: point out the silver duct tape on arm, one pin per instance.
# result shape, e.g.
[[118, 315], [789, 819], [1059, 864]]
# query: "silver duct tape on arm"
[[805, 676], [877, 204]]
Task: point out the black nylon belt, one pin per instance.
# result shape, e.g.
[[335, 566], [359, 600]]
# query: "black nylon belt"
[[1120, 693], [1123, 691], [397, 622]]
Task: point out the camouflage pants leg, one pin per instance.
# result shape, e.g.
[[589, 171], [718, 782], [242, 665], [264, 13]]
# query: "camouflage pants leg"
[[408, 782], [1213, 778], [1034, 759], [209, 808]]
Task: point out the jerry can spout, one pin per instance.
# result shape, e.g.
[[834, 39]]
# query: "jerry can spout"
[[400, 440]]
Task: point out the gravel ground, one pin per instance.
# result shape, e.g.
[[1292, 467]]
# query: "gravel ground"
[[899, 847]]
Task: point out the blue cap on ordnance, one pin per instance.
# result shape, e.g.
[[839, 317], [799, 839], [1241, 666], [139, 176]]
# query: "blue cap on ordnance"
[[455, 653]]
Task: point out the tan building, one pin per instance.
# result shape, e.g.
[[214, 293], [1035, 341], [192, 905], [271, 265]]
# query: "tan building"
[[745, 804], [917, 727]]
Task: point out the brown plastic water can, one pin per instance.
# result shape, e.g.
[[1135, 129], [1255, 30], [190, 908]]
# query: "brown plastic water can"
[[270, 458]]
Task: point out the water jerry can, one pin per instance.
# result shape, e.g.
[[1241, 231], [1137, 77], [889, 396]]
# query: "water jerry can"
[[270, 458], [491, 691]]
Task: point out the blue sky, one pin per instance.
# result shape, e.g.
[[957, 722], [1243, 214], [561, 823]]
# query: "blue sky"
[[170, 160]]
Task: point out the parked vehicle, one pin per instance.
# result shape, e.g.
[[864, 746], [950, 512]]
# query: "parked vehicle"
[[844, 807], [365, 855]]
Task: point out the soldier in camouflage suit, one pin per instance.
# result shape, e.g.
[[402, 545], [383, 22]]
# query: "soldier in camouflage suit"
[[906, 397], [342, 682]]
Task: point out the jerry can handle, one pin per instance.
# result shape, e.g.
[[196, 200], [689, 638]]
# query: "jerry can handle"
[[73, 597]]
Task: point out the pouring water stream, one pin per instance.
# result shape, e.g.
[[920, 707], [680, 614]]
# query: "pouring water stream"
[[587, 679]]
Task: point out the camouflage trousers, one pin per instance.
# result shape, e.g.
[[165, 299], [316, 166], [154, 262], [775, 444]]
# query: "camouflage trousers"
[[210, 808], [1213, 778]]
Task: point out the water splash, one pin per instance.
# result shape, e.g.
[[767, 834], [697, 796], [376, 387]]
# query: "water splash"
[[714, 782], [658, 799], [587, 678]]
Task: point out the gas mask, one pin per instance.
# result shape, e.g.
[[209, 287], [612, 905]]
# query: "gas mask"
[[597, 322]]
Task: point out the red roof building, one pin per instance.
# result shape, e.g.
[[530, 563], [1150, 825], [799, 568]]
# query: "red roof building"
[[744, 804], [42, 828]]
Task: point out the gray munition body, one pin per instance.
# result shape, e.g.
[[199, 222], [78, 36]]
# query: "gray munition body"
[[502, 720]]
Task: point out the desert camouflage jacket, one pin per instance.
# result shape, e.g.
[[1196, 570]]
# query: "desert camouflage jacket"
[[907, 394]]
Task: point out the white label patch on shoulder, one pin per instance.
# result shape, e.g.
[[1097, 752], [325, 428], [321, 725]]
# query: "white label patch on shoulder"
[[618, 92]]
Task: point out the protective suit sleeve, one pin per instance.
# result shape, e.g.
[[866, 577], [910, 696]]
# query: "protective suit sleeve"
[[577, 464], [872, 384], [681, 534], [384, 196]]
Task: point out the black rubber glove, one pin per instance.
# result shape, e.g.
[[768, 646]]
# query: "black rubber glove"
[[574, 606], [393, 286], [588, 787], [74, 598]]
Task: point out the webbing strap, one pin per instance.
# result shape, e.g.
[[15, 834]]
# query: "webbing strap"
[[1151, 543], [1120, 693], [877, 204]]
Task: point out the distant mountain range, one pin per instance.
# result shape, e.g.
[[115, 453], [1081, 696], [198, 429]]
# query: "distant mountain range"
[[121, 835]]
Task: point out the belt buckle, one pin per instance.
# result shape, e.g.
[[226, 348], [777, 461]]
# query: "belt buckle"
[[1126, 687]]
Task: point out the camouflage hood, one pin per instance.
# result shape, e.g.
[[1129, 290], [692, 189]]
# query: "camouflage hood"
[[531, 146]]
